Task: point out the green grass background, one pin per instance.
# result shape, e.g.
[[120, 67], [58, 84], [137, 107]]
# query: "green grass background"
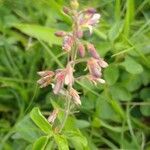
[[112, 116]]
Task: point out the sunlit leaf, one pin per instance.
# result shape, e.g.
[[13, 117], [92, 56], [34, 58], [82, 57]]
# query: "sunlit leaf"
[[46, 34], [61, 142], [40, 144], [40, 121]]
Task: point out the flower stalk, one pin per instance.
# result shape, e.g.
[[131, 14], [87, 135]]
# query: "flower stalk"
[[67, 112], [77, 51]]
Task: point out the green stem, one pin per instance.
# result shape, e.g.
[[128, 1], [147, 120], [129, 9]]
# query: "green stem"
[[67, 112], [80, 60]]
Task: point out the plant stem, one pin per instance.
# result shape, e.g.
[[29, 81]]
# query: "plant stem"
[[67, 112], [73, 58]]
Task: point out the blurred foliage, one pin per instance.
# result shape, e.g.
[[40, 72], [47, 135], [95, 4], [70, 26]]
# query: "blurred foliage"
[[112, 116]]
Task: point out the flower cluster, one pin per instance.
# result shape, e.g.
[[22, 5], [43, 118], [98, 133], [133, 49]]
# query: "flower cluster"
[[74, 46]]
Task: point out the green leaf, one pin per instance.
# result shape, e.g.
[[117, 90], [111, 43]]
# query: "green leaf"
[[26, 130], [40, 32], [61, 142], [40, 121], [111, 74], [115, 31], [96, 122], [29, 147], [131, 82], [132, 66], [115, 129], [104, 109], [40, 143], [82, 124], [77, 139], [120, 93], [145, 93], [129, 16], [58, 9], [146, 76], [145, 110], [116, 106], [117, 9]]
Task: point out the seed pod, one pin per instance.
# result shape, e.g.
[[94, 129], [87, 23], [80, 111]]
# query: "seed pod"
[[81, 50], [92, 51]]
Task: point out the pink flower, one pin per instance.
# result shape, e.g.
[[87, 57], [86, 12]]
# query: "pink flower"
[[89, 18], [69, 79], [53, 116], [81, 49], [92, 51], [60, 78], [67, 43], [94, 20], [63, 76], [94, 68], [75, 96], [46, 77]]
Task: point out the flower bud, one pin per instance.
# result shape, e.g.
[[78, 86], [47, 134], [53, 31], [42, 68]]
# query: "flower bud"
[[92, 51], [67, 43], [46, 77], [60, 78], [75, 96], [74, 4], [69, 79], [66, 10], [94, 68], [81, 50], [45, 73], [60, 33], [53, 116], [91, 10], [102, 63]]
